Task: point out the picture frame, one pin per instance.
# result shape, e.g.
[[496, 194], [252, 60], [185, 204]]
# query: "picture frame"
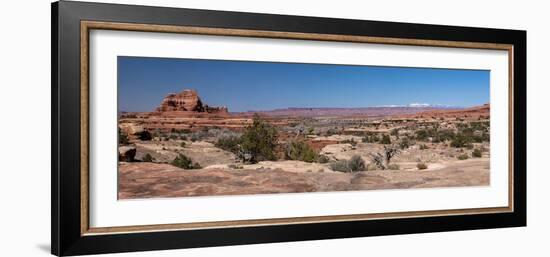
[[71, 26]]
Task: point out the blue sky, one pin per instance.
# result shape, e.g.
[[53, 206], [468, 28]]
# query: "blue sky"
[[246, 85]]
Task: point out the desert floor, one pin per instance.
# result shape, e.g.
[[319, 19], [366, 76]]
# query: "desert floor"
[[152, 180]]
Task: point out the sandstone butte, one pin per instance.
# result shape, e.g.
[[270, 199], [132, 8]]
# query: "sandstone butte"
[[186, 103], [183, 110]]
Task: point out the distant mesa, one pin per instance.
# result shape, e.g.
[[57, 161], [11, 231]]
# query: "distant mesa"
[[187, 103]]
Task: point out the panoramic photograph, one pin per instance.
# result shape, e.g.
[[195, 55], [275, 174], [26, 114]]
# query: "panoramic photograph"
[[195, 127]]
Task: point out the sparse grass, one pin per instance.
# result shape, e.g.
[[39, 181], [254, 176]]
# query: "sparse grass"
[[463, 157]]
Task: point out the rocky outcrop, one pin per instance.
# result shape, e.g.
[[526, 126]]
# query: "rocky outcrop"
[[126, 153], [186, 102], [131, 129]]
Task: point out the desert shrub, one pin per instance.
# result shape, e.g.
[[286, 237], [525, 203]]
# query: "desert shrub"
[[461, 140], [385, 139], [404, 143], [370, 138], [260, 140], [372, 166], [443, 135], [145, 136], [463, 157], [394, 132], [423, 147], [148, 158], [349, 141], [476, 153], [310, 131], [322, 159], [356, 163], [229, 143], [300, 151], [341, 165], [393, 166], [185, 162], [422, 135], [331, 132], [382, 160], [182, 144], [122, 137], [421, 166]]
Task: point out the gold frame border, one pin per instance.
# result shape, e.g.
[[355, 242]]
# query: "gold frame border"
[[86, 26]]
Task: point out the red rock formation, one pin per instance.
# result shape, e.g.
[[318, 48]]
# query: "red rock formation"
[[186, 103]]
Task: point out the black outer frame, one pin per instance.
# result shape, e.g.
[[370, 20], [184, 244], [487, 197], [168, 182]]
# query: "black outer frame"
[[65, 166]]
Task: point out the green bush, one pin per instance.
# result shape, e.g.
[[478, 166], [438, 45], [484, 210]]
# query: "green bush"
[[122, 137], [405, 143], [476, 153], [185, 162], [148, 158], [341, 165], [394, 132], [421, 166], [229, 143], [300, 151], [422, 135], [461, 140], [322, 158], [356, 163], [260, 140], [349, 141], [370, 138], [145, 136], [463, 157], [385, 139]]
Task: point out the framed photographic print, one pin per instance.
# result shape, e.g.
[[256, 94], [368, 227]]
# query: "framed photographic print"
[[178, 128]]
